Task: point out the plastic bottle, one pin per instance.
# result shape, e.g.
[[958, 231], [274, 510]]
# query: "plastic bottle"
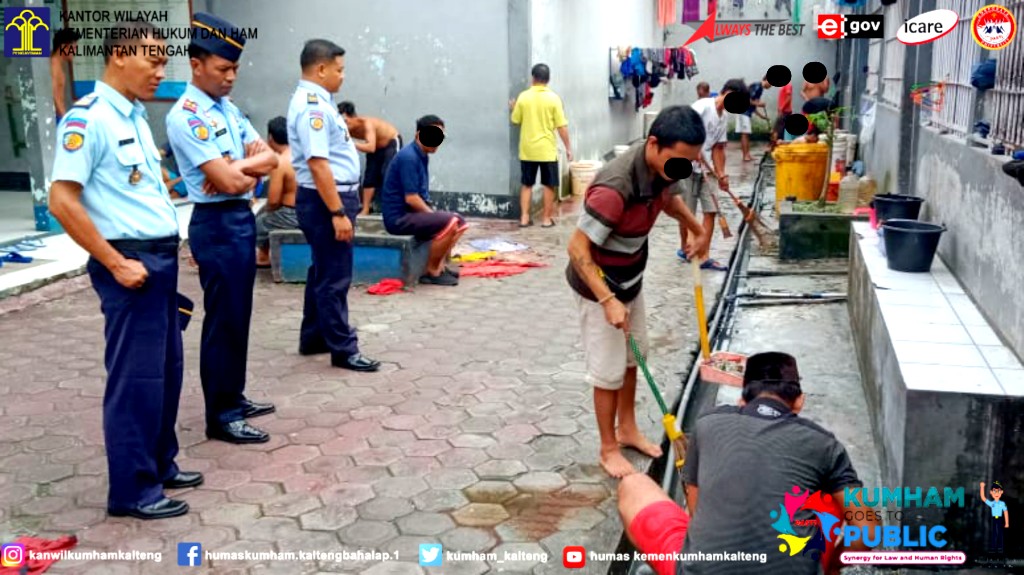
[[866, 190], [848, 188]]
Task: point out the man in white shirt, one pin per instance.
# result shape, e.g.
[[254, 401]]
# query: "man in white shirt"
[[712, 160]]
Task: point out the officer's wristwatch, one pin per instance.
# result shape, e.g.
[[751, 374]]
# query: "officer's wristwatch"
[[340, 213]]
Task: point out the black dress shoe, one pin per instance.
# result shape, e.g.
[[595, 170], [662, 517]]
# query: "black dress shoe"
[[238, 432], [160, 510], [355, 362], [313, 347], [184, 479], [254, 409]]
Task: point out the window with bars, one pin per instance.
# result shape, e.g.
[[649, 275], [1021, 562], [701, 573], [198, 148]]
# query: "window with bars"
[[952, 60], [892, 66], [1007, 97]]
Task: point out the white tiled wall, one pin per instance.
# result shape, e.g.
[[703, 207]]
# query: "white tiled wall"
[[942, 341]]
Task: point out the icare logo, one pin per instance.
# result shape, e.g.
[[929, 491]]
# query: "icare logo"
[[927, 27]]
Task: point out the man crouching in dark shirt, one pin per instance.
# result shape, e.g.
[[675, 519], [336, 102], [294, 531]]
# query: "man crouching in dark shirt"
[[744, 463]]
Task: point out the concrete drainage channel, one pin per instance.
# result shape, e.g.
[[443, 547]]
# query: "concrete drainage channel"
[[798, 308], [695, 395]]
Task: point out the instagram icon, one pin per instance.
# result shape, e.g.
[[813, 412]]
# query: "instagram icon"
[[12, 555]]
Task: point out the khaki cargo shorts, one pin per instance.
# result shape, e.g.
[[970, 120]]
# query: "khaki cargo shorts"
[[606, 349]]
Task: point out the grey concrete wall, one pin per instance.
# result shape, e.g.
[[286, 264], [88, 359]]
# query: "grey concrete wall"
[[884, 151], [573, 38], [445, 57], [983, 209], [749, 57]]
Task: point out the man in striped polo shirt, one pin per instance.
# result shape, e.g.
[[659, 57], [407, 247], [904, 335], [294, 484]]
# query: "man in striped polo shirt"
[[608, 254]]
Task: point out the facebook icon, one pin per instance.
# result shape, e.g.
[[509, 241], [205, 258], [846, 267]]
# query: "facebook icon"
[[190, 554]]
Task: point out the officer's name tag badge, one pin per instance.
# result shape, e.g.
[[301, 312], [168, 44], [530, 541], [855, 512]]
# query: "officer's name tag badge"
[[73, 141]]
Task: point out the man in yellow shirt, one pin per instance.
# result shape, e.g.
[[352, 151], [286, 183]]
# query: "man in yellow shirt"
[[539, 112]]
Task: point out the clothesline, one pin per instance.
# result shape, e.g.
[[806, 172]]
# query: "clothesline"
[[645, 68]]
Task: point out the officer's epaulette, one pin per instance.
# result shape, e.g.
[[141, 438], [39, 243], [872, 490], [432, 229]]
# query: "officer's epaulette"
[[311, 98], [189, 105], [85, 102]]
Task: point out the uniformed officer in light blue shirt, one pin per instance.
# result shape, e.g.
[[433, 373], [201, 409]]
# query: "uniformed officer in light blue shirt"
[[109, 195], [327, 171], [221, 155]]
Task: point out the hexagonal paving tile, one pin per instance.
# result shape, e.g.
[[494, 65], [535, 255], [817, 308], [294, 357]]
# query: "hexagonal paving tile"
[[480, 515], [490, 492], [468, 539], [346, 494], [378, 456], [403, 487], [539, 481], [451, 478], [385, 509], [426, 448], [291, 504], [268, 529], [329, 518], [414, 466], [500, 469], [365, 533], [422, 523], [439, 500], [462, 457], [230, 514], [394, 568]]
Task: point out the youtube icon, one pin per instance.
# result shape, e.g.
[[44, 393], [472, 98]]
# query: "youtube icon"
[[574, 557]]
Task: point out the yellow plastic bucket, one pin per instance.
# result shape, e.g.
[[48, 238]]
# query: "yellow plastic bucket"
[[800, 171], [583, 173]]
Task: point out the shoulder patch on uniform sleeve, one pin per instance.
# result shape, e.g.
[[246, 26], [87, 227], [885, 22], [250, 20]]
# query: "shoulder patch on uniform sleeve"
[[315, 122], [198, 128], [73, 141], [311, 98], [189, 105], [76, 123], [85, 102]]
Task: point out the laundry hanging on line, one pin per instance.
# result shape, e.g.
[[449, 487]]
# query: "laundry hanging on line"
[[645, 69]]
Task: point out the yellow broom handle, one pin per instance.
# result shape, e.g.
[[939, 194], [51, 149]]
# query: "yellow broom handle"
[[702, 318]]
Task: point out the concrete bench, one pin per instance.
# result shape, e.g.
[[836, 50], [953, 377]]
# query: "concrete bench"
[[945, 395], [377, 256]]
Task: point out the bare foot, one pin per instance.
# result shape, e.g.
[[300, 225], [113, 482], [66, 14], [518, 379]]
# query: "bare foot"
[[748, 159], [615, 464], [637, 441]]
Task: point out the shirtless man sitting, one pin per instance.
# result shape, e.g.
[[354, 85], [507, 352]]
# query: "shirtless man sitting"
[[381, 141], [279, 211]]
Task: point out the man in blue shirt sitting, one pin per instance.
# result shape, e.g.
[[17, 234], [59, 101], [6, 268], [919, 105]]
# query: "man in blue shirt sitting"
[[406, 206]]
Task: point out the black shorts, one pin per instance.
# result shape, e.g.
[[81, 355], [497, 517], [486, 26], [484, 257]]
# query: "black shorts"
[[377, 163], [423, 225], [548, 173]]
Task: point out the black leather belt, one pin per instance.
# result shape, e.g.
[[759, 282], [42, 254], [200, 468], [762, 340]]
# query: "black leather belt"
[[223, 206], [168, 245]]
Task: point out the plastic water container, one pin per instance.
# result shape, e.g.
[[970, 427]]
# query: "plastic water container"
[[848, 188], [910, 245], [583, 173], [800, 170]]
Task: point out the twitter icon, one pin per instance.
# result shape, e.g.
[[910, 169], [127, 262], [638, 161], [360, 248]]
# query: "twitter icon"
[[430, 555]]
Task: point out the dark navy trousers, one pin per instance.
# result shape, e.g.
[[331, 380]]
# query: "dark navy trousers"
[[144, 373], [222, 236], [325, 310]]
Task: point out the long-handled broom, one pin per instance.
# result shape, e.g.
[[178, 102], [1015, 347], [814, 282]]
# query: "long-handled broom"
[[667, 419]]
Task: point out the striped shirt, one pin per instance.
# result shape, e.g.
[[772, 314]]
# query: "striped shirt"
[[619, 211]]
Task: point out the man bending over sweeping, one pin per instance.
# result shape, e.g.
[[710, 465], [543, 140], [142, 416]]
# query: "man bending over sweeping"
[[608, 254], [744, 462]]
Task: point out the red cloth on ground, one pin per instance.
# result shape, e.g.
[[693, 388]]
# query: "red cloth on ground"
[[496, 268], [39, 545], [386, 287]]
